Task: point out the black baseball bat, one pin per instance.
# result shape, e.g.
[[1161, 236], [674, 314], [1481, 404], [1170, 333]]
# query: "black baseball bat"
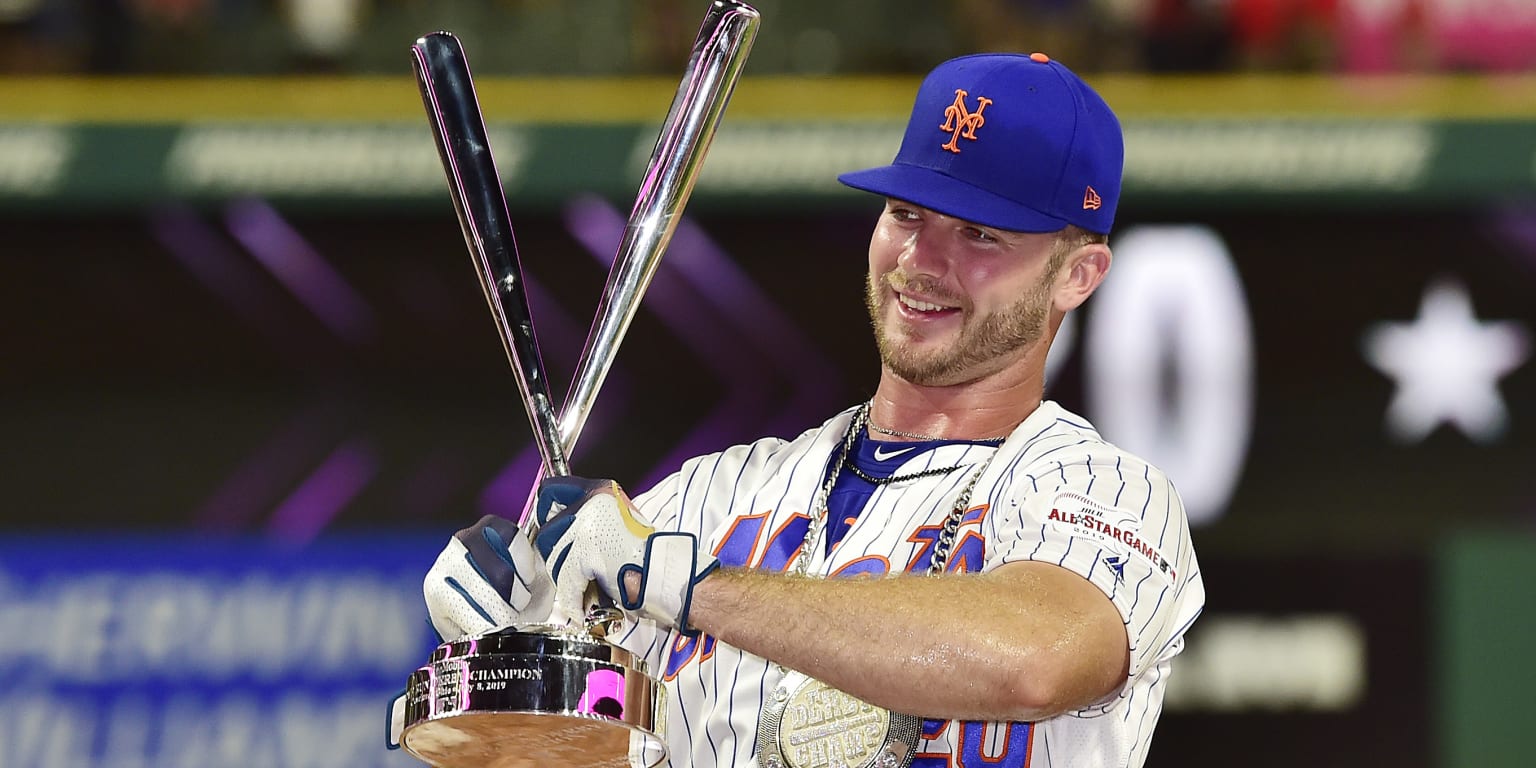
[[448, 93]]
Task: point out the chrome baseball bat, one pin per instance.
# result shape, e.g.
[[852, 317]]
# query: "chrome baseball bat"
[[714, 67], [448, 93]]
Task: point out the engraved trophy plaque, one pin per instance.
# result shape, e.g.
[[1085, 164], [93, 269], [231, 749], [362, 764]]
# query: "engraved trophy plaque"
[[549, 694], [535, 695]]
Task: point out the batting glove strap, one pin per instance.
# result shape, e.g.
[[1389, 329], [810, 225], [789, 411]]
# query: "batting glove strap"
[[394, 721], [596, 537], [669, 570]]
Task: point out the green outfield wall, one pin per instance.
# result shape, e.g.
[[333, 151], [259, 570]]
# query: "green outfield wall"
[[1200, 141], [1488, 612]]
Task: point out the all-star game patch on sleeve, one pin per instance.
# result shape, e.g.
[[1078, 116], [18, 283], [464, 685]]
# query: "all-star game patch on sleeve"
[[1076, 501]]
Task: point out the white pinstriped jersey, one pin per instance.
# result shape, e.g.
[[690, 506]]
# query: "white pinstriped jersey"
[[1055, 491]]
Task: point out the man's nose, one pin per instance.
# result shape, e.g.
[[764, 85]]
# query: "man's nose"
[[923, 253]]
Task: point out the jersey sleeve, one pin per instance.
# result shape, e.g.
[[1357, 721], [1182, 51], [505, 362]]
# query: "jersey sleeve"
[[1119, 523]]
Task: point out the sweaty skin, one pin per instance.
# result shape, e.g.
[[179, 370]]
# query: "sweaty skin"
[[1024, 642]]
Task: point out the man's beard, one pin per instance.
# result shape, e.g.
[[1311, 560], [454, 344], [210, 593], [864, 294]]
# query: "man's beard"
[[981, 340]]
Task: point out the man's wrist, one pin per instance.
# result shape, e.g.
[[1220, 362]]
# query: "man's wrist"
[[631, 586]]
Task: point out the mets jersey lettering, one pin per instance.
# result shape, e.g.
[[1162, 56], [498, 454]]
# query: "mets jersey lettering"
[[741, 547], [982, 745], [1053, 492]]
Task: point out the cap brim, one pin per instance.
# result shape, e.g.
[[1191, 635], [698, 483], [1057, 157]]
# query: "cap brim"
[[939, 192]]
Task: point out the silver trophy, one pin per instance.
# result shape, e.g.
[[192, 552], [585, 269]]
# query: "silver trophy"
[[546, 694]]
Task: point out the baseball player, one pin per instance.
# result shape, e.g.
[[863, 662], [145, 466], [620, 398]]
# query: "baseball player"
[[954, 573]]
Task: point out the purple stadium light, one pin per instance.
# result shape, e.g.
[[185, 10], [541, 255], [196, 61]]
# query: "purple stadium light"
[[302, 270]]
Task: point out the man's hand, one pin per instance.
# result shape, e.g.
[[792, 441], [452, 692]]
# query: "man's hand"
[[590, 534], [489, 576]]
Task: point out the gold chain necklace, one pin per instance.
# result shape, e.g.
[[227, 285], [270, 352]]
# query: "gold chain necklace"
[[919, 436]]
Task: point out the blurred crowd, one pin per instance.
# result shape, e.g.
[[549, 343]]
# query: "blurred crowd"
[[799, 36]]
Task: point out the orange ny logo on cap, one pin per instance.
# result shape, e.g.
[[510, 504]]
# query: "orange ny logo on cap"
[[959, 120]]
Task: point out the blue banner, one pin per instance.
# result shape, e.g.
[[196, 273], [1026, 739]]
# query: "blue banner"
[[141, 652]]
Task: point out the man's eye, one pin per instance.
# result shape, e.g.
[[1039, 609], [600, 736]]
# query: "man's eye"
[[981, 235]]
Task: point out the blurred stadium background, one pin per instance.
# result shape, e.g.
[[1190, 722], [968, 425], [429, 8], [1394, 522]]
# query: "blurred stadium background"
[[249, 385]]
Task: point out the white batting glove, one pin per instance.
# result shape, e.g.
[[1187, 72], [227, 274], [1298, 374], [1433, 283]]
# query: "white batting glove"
[[590, 535], [488, 577]]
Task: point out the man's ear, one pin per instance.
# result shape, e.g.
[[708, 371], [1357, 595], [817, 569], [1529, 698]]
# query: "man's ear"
[[1082, 273]]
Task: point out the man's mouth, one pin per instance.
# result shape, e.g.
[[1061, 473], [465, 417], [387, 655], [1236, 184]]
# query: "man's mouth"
[[918, 305]]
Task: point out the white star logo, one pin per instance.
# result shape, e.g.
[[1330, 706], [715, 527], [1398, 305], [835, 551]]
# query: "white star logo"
[[1447, 366]]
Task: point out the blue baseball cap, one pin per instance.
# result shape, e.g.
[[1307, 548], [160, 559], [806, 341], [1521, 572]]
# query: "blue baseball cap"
[[1009, 141]]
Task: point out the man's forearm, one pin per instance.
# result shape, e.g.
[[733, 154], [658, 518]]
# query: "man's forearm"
[[1022, 645]]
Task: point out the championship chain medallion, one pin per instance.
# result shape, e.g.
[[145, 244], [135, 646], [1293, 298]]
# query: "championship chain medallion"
[[809, 724]]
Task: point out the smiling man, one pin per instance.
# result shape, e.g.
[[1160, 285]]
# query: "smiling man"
[[1025, 583]]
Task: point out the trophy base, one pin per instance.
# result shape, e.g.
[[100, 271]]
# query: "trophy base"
[[530, 696], [519, 740]]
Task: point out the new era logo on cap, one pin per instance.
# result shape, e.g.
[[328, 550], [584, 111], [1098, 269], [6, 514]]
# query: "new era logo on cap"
[[1033, 150]]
